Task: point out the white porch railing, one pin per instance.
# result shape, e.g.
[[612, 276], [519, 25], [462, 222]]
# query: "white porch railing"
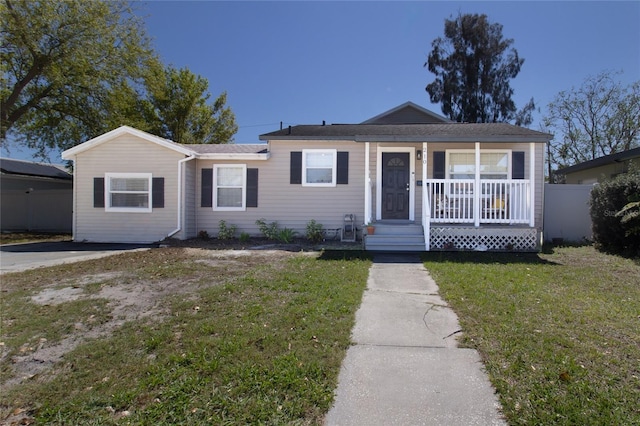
[[504, 201]]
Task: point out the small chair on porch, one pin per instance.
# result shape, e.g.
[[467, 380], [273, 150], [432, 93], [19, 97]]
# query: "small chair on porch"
[[444, 207], [496, 207]]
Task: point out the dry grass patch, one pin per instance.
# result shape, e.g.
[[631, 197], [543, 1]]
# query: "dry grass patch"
[[178, 335]]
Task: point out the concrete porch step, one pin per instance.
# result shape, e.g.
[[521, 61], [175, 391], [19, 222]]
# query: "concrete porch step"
[[396, 237], [383, 228]]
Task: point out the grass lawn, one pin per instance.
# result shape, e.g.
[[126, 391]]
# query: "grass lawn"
[[178, 336], [559, 333]]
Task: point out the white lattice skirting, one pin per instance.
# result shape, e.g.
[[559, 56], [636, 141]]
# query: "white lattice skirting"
[[507, 239]]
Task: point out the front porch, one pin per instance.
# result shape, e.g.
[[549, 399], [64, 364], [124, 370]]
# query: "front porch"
[[474, 210]]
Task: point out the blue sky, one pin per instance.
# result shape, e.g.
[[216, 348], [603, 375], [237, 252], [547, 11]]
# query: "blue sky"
[[344, 62]]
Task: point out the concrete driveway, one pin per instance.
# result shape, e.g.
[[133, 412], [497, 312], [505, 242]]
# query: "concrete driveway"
[[21, 257]]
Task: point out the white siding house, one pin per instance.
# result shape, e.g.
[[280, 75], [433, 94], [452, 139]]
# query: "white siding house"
[[426, 183]]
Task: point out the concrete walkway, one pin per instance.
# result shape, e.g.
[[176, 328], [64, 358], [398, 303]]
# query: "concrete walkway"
[[404, 367], [25, 256]]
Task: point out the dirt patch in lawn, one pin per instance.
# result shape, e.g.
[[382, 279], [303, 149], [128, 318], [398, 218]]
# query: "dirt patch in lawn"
[[128, 298]]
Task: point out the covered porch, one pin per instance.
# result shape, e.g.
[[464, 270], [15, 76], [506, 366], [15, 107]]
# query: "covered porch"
[[477, 212]]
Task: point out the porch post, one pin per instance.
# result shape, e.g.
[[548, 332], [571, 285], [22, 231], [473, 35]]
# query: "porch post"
[[426, 205], [476, 189], [532, 184], [367, 185]]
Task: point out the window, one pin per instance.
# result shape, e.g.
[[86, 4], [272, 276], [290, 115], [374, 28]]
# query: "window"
[[493, 165], [462, 165], [229, 187], [319, 167], [128, 192]]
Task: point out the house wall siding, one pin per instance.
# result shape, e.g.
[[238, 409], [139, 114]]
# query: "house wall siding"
[[125, 154], [291, 205], [598, 174]]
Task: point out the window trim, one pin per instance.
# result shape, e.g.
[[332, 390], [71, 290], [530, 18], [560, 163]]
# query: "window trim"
[[108, 192], [215, 187], [508, 152], [334, 167]]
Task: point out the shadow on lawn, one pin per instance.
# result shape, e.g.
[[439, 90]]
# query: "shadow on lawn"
[[485, 257], [454, 257], [345, 255]]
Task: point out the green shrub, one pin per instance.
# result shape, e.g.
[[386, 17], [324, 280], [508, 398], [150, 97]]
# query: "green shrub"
[[245, 237], [226, 232], [315, 231], [270, 231], [286, 235], [614, 228]]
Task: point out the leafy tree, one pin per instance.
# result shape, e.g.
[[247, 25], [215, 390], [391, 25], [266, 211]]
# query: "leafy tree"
[[177, 109], [600, 117], [63, 63], [473, 65]]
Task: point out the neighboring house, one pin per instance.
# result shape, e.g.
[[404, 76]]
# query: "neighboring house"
[[425, 182], [34, 197], [599, 169], [574, 194]]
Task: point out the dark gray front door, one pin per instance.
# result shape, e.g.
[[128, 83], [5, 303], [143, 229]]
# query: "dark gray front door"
[[395, 185]]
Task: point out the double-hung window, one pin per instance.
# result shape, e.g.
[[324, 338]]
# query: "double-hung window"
[[319, 167], [128, 192], [493, 164], [229, 186]]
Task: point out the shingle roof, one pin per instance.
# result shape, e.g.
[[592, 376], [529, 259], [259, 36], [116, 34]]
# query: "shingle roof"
[[601, 161], [29, 168], [436, 132], [230, 148]]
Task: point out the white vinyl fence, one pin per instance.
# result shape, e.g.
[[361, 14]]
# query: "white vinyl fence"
[[566, 212]]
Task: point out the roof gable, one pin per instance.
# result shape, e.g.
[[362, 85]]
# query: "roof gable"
[[407, 113], [204, 151], [124, 130]]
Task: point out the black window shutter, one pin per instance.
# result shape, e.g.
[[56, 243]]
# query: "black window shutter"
[[295, 177], [517, 165], [438, 165], [206, 197], [98, 192], [252, 188], [343, 168], [157, 192]]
